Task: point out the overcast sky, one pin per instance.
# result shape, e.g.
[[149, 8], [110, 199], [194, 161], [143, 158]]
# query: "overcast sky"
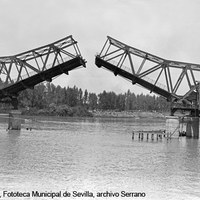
[[169, 29]]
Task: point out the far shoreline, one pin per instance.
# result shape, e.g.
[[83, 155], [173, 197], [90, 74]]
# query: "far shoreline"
[[129, 114], [136, 114]]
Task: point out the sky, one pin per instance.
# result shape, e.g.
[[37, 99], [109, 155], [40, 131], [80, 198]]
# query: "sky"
[[169, 29]]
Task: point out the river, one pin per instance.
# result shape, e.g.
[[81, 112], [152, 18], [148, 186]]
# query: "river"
[[97, 155]]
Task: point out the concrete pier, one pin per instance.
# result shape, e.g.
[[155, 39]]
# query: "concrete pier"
[[174, 124], [14, 121], [192, 127]]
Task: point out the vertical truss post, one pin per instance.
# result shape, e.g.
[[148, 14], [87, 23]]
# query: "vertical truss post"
[[46, 59]]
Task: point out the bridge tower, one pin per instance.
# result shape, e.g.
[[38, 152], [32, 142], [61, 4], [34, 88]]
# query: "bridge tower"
[[173, 80], [27, 69]]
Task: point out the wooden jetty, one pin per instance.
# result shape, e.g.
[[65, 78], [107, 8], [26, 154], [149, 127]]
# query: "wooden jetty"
[[151, 135]]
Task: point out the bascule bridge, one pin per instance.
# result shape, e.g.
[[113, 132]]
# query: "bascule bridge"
[[175, 81], [27, 69]]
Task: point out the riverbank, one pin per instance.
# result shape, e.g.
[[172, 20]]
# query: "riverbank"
[[65, 111], [131, 114], [61, 111]]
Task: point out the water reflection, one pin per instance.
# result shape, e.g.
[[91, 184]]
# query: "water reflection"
[[14, 133], [12, 146]]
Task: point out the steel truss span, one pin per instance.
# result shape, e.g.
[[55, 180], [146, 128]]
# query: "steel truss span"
[[27, 69], [161, 76]]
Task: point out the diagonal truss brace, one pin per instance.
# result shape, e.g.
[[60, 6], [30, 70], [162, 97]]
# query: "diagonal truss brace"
[[121, 56], [15, 68], [27, 69]]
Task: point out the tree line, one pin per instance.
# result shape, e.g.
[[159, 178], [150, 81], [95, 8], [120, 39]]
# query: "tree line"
[[48, 95]]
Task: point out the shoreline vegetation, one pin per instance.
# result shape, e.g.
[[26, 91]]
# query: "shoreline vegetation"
[[129, 114], [64, 111], [46, 99], [81, 112]]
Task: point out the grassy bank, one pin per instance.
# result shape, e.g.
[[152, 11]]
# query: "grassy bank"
[[132, 114], [62, 110], [81, 111]]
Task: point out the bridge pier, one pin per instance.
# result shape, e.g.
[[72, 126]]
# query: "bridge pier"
[[192, 127], [174, 124], [14, 121]]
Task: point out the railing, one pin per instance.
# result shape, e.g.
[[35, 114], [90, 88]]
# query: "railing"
[[149, 80]]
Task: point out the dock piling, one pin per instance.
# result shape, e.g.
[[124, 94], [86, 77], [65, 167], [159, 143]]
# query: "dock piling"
[[133, 135], [152, 135], [149, 135]]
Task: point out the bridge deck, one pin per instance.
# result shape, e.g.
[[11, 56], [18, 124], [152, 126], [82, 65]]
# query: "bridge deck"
[[135, 79]]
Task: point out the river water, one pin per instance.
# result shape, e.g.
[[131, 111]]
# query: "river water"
[[97, 155]]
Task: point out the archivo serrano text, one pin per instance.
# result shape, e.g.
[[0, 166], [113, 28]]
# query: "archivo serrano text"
[[52, 194]]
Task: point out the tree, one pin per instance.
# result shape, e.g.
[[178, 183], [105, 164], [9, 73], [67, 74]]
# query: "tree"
[[80, 97], [107, 100], [92, 101], [120, 102], [45, 95], [71, 97], [85, 97]]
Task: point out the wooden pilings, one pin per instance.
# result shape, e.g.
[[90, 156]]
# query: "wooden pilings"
[[133, 135], [149, 136]]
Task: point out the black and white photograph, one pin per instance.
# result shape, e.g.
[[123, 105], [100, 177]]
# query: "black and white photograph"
[[99, 99]]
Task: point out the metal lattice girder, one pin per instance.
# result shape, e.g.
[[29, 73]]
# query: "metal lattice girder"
[[27, 69], [147, 69]]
